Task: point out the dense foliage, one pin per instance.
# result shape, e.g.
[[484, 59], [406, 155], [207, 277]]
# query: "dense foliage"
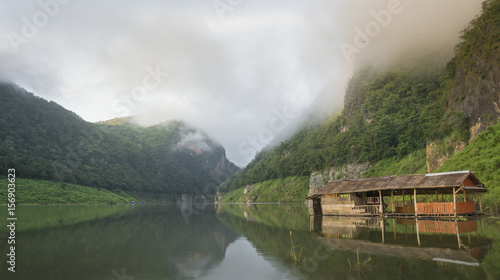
[[42, 140]]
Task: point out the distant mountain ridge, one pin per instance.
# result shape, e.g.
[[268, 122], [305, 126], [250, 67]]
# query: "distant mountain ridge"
[[42, 140]]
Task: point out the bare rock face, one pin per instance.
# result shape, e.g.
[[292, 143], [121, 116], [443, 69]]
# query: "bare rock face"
[[248, 188], [476, 85], [252, 199], [218, 197], [319, 179], [439, 153]]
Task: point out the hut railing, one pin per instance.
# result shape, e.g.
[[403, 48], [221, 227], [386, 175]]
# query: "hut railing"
[[369, 209], [445, 208]]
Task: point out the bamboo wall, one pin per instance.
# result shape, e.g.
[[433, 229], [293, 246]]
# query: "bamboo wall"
[[445, 208]]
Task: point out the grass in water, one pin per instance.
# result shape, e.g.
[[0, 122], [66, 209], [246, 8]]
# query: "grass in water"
[[358, 266], [293, 253]]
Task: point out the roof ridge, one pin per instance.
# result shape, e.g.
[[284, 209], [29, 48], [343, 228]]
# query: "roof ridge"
[[354, 179], [447, 173]]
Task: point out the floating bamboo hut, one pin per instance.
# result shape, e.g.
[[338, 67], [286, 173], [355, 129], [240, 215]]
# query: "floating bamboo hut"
[[372, 196]]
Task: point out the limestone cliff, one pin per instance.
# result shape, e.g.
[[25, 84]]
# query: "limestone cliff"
[[473, 89], [475, 71], [438, 153], [320, 178]]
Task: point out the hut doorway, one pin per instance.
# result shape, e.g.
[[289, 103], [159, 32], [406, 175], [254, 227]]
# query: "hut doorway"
[[317, 206]]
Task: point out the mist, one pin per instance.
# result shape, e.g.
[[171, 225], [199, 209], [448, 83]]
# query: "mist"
[[245, 72]]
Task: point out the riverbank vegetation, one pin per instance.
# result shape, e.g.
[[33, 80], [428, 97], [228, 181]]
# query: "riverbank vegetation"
[[290, 189], [34, 191]]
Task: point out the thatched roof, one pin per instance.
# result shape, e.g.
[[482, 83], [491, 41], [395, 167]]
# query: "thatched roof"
[[424, 183]]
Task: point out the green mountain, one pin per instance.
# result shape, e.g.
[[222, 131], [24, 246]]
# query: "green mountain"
[[42, 140], [408, 117]]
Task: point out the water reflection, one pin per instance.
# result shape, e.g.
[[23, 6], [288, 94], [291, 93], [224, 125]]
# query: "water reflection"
[[205, 241], [145, 242], [436, 240], [243, 262], [357, 248]]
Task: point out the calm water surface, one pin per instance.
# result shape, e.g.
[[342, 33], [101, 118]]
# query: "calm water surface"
[[125, 242]]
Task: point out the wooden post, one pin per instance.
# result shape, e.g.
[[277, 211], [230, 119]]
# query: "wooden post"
[[454, 203], [437, 198], [404, 204], [480, 205], [465, 198], [415, 201], [406, 232], [458, 235], [418, 233], [482, 227], [382, 225], [392, 201], [380, 208], [394, 228]]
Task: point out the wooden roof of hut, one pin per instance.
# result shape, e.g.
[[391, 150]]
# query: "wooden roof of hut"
[[443, 183]]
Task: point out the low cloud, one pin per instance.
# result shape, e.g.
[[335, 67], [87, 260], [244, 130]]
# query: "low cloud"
[[194, 141], [225, 76]]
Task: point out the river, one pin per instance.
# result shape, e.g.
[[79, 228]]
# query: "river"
[[236, 241]]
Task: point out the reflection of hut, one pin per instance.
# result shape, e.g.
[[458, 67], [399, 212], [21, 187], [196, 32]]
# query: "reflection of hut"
[[365, 196], [436, 240]]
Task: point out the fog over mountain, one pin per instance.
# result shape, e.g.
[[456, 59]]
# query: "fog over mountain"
[[243, 71]]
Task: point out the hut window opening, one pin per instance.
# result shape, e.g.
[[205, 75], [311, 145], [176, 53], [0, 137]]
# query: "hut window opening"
[[373, 200]]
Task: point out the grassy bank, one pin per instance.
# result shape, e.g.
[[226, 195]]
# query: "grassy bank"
[[483, 157], [290, 189], [34, 191], [39, 217], [414, 163]]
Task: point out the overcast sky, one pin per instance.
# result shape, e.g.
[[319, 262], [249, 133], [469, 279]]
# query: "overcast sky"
[[241, 70]]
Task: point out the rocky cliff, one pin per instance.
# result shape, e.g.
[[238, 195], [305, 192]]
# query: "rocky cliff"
[[320, 178], [475, 71]]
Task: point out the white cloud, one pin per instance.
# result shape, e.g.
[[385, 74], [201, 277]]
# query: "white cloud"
[[226, 77]]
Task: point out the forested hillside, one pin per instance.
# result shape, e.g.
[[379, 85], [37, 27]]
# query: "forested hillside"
[[42, 140], [389, 113], [403, 118]]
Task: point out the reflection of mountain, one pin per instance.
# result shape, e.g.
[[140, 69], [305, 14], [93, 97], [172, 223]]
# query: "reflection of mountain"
[[150, 242], [442, 241]]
